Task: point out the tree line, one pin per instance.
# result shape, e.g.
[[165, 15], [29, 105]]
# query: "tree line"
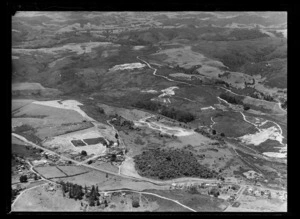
[[172, 113], [231, 99], [77, 192]]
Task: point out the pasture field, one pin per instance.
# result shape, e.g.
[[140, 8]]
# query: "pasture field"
[[234, 120], [109, 182], [253, 204], [163, 205], [128, 168], [105, 166], [39, 199], [264, 106], [49, 171], [129, 114], [198, 202], [28, 152], [16, 141], [123, 202], [18, 103], [73, 170], [48, 121]]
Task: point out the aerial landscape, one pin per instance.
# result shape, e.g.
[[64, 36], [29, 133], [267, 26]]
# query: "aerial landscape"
[[149, 111]]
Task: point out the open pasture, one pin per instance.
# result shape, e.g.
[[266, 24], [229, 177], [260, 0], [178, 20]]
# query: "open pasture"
[[48, 121], [234, 120], [49, 171], [129, 114], [18, 103], [73, 170]]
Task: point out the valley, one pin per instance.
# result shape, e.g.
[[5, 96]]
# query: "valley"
[[148, 111]]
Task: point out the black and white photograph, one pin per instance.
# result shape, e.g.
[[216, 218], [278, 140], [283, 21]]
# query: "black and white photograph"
[[149, 111]]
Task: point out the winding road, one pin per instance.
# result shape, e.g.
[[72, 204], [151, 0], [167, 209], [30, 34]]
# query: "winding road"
[[167, 78]]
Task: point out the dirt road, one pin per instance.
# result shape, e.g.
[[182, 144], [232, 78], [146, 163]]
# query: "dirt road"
[[155, 182], [149, 193]]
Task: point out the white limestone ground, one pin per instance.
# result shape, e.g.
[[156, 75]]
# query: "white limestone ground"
[[138, 47], [272, 133], [263, 134], [176, 131], [149, 91], [251, 174], [207, 108], [181, 75], [127, 66], [167, 92]]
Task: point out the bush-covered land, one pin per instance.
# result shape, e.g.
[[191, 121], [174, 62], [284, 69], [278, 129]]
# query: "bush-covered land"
[[261, 96], [284, 105], [170, 164], [170, 112], [237, 34], [231, 99]]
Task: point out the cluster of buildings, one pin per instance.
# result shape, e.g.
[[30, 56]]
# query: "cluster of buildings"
[[231, 198], [226, 191], [49, 159], [104, 197], [50, 156], [266, 193], [258, 192], [21, 166], [196, 185]]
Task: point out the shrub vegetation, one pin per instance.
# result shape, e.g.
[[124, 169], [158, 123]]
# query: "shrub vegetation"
[[172, 113], [170, 164]]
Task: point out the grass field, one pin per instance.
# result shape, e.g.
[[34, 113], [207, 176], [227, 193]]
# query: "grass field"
[[18, 103], [73, 170], [198, 202], [164, 205], [49, 171], [25, 151], [234, 120], [39, 199], [48, 121]]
